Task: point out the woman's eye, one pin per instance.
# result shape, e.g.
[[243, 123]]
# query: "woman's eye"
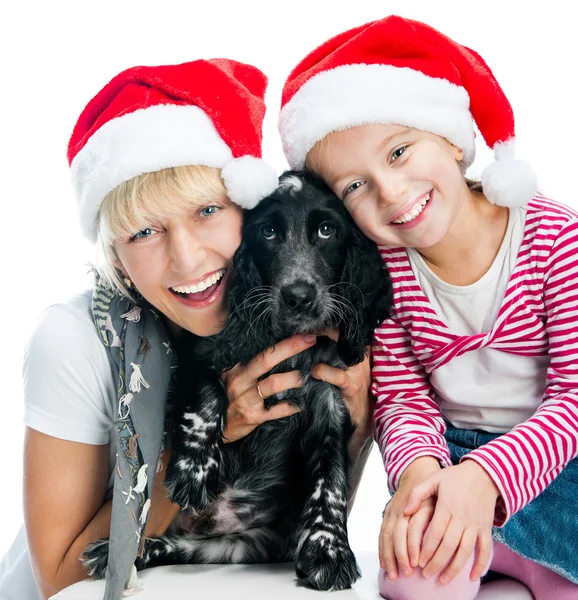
[[209, 210], [353, 187], [397, 153], [325, 231], [142, 234], [268, 232]]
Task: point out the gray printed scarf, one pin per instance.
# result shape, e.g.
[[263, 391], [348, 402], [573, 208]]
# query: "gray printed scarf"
[[143, 363]]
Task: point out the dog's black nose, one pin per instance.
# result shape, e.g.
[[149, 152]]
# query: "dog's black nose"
[[298, 296]]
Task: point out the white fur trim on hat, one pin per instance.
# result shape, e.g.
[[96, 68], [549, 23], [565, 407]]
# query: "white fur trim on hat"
[[507, 181], [140, 142], [360, 94], [248, 180]]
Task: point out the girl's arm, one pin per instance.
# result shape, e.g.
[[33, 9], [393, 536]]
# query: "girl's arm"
[[409, 429], [407, 423], [523, 462]]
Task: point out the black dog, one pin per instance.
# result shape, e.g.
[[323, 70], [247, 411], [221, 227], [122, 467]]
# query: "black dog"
[[280, 493]]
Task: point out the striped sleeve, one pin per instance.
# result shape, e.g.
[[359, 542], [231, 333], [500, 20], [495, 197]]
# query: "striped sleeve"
[[526, 460], [407, 423]]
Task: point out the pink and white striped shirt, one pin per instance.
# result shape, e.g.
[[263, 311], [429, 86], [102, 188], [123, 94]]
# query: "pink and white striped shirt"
[[538, 316]]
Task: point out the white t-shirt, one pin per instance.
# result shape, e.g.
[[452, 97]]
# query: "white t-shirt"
[[471, 387], [69, 393]]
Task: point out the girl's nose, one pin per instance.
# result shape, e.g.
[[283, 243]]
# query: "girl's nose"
[[186, 252], [390, 188]]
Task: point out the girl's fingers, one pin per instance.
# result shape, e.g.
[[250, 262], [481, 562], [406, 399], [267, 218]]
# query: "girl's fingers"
[[400, 546], [420, 493], [445, 551], [466, 548], [417, 525], [434, 535], [386, 550], [484, 555]]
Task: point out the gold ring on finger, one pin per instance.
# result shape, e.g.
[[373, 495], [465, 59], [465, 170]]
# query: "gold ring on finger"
[[259, 390]]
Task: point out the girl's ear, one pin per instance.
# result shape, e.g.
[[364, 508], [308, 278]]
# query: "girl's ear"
[[459, 153]]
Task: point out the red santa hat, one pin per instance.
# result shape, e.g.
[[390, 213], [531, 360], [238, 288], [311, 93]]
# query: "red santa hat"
[[205, 112], [400, 71]]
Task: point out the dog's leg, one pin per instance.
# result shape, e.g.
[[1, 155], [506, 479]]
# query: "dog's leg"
[[323, 555], [259, 545], [192, 476]]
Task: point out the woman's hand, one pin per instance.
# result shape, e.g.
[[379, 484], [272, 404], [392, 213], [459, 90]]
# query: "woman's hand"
[[247, 392], [399, 535], [463, 517]]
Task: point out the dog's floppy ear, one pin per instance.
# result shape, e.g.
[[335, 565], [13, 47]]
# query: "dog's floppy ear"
[[366, 285], [241, 339]]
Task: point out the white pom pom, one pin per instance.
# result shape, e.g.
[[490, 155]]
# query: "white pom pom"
[[248, 180], [508, 182]]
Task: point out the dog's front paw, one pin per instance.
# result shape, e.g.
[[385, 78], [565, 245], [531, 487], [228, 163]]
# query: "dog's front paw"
[[95, 558], [326, 562], [192, 479]]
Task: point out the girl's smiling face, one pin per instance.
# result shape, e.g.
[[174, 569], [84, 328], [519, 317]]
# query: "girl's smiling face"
[[180, 263], [403, 187]]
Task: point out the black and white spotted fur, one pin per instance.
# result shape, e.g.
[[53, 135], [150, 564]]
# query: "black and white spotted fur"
[[280, 493]]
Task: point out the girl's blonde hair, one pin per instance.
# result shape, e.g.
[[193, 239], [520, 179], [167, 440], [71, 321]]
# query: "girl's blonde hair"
[[136, 204]]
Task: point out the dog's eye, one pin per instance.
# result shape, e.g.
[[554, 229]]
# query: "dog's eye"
[[325, 231], [268, 232]]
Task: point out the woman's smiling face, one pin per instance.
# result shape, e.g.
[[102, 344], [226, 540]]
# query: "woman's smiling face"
[[180, 264], [173, 233]]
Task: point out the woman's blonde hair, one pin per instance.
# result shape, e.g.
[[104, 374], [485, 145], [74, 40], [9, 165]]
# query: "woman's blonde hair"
[[136, 204]]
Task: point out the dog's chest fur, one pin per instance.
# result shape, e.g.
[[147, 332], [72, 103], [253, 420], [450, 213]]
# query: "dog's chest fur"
[[261, 475]]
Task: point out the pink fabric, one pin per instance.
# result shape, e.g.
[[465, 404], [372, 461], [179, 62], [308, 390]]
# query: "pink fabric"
[[418, 587], [543, 583], [536, 318]]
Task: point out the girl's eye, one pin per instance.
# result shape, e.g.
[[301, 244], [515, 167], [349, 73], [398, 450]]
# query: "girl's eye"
[[209, 210], [142, 234], [354, 186], [397, 153], [326, 230], [268, 232]]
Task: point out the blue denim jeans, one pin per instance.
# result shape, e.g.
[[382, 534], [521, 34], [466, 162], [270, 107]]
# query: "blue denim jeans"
[[545, 530]]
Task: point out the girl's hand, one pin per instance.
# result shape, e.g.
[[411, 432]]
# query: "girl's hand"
[[355, 386], [463, 517], [397, 530], [246, 399]]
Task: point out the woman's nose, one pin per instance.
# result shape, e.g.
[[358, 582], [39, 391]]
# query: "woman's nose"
[[186, 251]]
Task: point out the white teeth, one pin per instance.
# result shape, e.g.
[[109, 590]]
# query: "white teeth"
[[201, 286], [413, 213]]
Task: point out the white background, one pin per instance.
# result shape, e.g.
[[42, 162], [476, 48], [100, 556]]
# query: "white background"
[[56, 55]]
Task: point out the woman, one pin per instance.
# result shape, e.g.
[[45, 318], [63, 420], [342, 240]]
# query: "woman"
[[163, 160]]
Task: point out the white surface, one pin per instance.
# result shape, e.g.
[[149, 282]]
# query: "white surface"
[[277, 582]]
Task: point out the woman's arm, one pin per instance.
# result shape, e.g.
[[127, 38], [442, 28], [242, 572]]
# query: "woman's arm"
[[64, 488]]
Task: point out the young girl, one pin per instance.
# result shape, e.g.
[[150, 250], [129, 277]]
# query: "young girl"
[[163, 160], [476, 374]]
